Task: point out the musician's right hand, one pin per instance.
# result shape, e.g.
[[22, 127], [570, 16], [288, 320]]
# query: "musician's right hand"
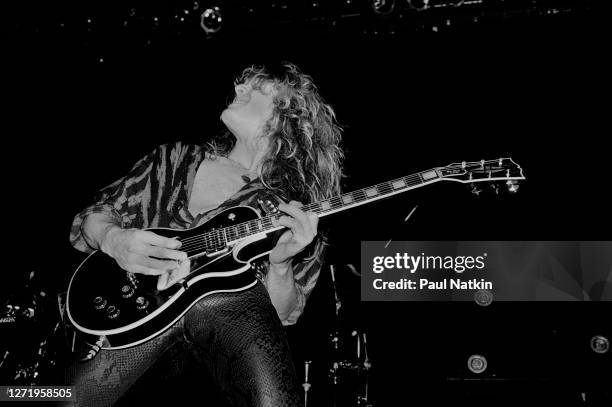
[[142, 251]]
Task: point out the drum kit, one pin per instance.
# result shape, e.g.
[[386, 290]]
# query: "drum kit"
[[348, 368], [31, 336]]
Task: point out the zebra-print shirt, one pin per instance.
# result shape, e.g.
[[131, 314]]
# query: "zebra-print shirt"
[[155, 193]]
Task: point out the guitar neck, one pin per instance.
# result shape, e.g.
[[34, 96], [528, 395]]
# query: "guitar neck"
[[501, 169], [336, 204]]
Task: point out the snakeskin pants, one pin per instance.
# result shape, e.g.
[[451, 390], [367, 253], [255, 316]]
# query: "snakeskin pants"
[[236, 338]]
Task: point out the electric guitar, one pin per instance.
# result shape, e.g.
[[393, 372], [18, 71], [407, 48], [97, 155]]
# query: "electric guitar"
[[127, 309]]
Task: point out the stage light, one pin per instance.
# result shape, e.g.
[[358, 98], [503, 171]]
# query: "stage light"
[[477, 364], [211, 19], [383, 7], [483, 297], [600, 344]]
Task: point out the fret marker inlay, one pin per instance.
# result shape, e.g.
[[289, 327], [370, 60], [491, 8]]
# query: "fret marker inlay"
[[399, 184], [429, 175]]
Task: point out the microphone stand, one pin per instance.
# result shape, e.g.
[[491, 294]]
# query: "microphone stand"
[[335, 337], [306, 385], [336, 298]]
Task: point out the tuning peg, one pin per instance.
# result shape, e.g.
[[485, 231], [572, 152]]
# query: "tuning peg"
[[475, 190], [512, 186]]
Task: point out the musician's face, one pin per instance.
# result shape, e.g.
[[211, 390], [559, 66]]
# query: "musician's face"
[[252, 107]]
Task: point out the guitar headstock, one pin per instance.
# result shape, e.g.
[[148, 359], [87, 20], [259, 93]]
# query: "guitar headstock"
[[501, 169]]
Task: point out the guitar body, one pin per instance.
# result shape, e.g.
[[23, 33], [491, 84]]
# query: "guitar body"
[[105, 300]]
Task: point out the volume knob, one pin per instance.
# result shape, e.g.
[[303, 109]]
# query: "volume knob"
[[112, 312], [127, 291], [99, 303], [142, 303]]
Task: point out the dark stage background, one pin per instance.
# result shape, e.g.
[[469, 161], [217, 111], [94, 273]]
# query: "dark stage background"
[[83, 109]]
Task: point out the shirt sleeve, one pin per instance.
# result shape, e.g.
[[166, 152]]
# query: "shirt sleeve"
[[121, 201], [305, 273]]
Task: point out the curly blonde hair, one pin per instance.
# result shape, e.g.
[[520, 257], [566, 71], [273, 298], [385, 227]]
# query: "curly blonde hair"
[[304, 161]]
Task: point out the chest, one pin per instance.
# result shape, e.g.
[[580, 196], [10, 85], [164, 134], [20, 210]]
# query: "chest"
[[214, 183]]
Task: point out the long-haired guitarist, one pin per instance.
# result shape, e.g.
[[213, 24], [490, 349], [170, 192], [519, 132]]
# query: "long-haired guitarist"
[[283, 141]]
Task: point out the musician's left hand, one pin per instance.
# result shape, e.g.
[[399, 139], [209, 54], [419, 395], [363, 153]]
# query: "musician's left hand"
[[302, 230]]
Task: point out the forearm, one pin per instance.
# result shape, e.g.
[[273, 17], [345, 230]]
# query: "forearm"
[[281, 287], [96, 227]]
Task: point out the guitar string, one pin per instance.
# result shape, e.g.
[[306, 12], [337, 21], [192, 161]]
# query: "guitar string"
[[196, 241], [245, 227], [253, 224], [207, 240], [242, 230], [378, 186]]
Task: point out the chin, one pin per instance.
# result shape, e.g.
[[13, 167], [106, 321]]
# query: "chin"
[[225, 116], [229, 121]]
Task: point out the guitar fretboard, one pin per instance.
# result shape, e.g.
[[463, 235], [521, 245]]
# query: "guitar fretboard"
[[219, 238]]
